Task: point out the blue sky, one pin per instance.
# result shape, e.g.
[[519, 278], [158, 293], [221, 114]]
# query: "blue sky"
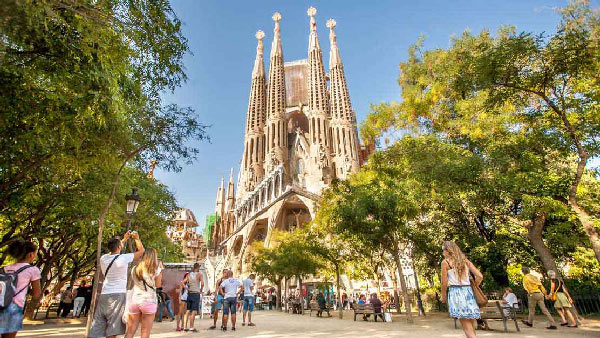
[[373, 37]]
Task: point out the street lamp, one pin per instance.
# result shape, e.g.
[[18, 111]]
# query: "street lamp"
[[133, 200]]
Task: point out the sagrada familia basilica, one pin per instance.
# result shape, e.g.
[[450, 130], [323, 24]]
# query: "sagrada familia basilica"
[[301, 133]]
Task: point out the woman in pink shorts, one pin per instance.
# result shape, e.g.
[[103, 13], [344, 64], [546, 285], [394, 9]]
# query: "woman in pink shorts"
[[146, 277]]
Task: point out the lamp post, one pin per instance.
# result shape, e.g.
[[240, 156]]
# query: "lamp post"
[[132, 202]]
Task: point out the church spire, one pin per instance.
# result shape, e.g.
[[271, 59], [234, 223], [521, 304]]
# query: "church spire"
[[220, 197], [343, 118], [253, 158], [230, 192], [340, 99], [276, 126], [318, 104], [317, 82]]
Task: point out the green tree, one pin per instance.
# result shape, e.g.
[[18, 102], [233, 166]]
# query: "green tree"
[[331, 248], [375, 208], [491, 94], [81, 85]]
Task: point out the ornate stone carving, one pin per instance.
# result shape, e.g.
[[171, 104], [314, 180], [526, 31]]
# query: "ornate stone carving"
[[322, 161]]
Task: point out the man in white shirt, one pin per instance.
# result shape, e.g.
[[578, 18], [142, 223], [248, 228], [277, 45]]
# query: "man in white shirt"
[[230, 288], [509, 300], [107, 319], [248, 299]]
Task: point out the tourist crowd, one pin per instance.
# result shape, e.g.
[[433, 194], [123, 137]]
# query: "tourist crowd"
[[122, 308]]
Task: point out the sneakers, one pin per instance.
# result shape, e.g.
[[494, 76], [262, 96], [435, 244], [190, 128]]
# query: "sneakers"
[[223, 328], [179, 329], [527, 323], [212, 327], [233, 328]]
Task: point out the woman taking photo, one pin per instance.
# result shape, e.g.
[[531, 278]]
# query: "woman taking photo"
[[146, 277], [455, 281], [24, 253]]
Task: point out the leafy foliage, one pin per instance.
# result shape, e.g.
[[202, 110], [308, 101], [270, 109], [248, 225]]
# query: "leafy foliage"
[[80, 105]]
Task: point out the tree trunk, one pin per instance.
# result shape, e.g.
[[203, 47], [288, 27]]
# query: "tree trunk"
[[285, 290], [111, 197], [402, 284], [418, 291], [376, 277], [278, 300], [337, 278], [395, 284], [392, 270], [535, 233], [301, 295]]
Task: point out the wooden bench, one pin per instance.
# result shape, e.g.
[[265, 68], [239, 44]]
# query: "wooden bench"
[[494, 310], [313, 306], [53, 307], [366, 309]]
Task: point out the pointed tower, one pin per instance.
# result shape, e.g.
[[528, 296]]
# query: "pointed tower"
[[276, 126], [253, 159], [344, 147], [217, 235], [230, 193], [318, 102]]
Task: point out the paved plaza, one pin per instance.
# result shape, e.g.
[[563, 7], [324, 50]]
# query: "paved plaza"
[[272, 324]]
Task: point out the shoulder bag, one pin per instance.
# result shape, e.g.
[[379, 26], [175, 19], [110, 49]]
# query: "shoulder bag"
[[480, 297]]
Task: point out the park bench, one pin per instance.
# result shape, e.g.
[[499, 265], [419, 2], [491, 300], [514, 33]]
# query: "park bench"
[[366, 309], [313, 306], [494, 310], [53, 307]]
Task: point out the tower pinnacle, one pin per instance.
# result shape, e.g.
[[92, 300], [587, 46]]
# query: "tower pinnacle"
[[259, 64], [276, 126], [251, 168], [276, 48], [313, 41], [344, 149], [318, 103], [334, 54]]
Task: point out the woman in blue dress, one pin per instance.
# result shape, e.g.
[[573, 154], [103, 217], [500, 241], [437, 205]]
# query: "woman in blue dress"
[[459, 295]]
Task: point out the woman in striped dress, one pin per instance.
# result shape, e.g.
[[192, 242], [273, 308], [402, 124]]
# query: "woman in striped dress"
[[455, 280]]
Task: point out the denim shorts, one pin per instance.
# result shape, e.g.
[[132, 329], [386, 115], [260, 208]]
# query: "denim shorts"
[[219, 302], [11, 319], [229, 305], [248, 303], [193, 302]]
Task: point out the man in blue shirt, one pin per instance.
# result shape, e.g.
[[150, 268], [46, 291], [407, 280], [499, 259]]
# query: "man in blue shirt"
[[248, 299]]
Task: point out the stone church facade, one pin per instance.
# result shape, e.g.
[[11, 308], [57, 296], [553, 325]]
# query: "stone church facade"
[[300, 134]]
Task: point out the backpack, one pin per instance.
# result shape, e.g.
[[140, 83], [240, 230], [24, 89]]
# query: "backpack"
[[8, 286]]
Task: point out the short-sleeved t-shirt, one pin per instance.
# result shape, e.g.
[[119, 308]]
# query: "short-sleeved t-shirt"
[[248, 283], [144, 293], [116, 279], [24, 279], [230, 286], [511, 299]]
